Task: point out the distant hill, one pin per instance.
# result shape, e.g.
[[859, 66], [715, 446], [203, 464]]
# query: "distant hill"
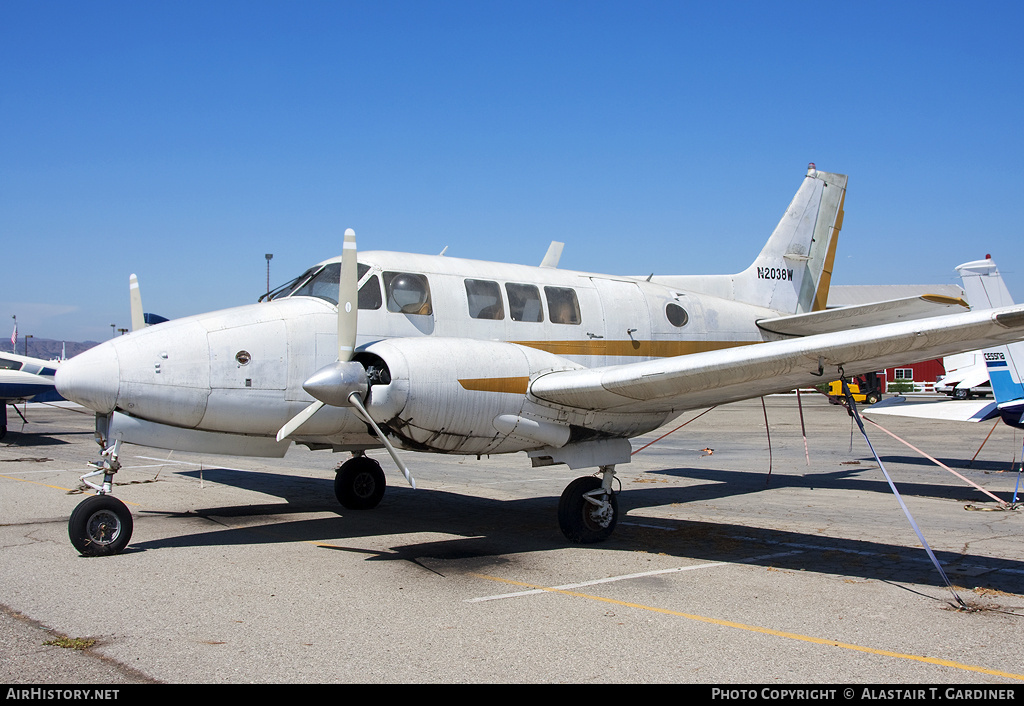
[[48, 350]]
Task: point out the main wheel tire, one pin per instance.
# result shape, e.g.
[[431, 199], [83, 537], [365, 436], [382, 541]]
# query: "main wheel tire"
[[960, 394], [581, 520], [100, 525], [360, 484]]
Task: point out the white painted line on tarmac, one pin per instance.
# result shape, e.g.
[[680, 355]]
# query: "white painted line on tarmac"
[[626, 577]]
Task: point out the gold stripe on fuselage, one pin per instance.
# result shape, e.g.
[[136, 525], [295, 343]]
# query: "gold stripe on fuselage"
[[514, 385], [643, 349]]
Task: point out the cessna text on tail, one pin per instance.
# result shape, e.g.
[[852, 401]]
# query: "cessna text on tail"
[[438, 354]]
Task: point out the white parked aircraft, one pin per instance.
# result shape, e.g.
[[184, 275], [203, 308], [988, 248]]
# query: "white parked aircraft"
[[22, 379], [985, 289], [466, 357]]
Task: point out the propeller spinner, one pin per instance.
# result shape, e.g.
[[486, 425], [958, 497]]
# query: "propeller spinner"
[[344, 383]]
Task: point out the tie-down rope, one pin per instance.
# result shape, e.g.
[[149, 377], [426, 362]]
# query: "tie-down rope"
[[856, 415]]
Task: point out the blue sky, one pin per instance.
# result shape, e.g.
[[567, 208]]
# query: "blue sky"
[[184, 140]]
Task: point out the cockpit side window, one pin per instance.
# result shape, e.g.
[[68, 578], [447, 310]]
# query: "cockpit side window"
[[369, 292], [6, 364], [524, 302], [407, 293], [563, 307], [484, 299]]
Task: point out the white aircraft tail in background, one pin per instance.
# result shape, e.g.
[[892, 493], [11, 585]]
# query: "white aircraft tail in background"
[[984, 289]]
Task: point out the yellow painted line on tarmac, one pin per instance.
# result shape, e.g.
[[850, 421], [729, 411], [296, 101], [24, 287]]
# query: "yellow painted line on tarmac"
[[45, 485], [765, 631], [54, 487]]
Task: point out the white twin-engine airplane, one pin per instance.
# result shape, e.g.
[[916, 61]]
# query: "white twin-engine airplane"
[[466, 357]]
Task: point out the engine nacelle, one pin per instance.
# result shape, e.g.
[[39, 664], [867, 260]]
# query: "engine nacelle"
[[464, 396]]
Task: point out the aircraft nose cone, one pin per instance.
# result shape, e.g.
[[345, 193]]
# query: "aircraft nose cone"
[[91, 379]]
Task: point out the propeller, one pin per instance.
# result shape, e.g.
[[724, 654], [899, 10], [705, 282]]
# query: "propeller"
[[343, 383]]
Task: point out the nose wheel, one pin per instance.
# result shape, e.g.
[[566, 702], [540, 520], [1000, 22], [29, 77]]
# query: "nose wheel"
[[100, 525]]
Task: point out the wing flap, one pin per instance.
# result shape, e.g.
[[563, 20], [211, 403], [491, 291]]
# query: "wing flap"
[[863, 315], [717, 377]]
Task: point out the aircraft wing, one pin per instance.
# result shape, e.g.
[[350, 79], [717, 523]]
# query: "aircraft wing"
[[717, 377], [863, 315], [948, 410]]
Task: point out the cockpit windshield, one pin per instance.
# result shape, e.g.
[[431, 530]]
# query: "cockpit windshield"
[[323, 284], [320, 281]]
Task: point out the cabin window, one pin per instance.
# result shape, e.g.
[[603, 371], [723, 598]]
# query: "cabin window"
[[563, 308], [407, 293], [677, 315], [524, 302], [484, 299], [6, 364], [369, 292]]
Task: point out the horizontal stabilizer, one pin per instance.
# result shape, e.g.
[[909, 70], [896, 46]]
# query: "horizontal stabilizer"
[[863, 315], [946, 410], [970, 378]]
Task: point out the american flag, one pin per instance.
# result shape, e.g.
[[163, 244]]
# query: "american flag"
[[14, 336]]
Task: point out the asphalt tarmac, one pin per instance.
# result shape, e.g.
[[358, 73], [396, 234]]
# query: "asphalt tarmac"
[[741, 557]]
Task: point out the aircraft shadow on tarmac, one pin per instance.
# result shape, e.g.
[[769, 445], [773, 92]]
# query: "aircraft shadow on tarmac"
[[728, 483], [26, 440], [485, 532]]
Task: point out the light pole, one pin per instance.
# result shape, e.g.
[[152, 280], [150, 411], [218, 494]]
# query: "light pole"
[[269, 256], [27, 336]]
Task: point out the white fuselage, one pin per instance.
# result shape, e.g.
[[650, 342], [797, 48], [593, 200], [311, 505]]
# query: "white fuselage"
[[240, 371]]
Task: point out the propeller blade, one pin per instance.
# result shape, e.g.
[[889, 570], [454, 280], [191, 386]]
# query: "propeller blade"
[[298, 420], [348, 298], [135, 297], [358, 404]]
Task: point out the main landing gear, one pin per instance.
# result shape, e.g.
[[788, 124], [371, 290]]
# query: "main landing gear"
[[359, 484], [588, 509], [101, 524]]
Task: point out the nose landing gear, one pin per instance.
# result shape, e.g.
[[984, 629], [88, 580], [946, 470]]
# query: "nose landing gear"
[[101, 524]]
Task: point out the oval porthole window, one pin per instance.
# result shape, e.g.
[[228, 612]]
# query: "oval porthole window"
[[243, 357], [676, 314]]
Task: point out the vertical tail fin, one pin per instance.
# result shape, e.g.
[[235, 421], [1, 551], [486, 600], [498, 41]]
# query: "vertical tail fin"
[[794, 269], [985, 289]]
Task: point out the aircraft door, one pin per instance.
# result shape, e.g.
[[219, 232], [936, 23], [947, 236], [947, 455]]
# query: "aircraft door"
[[627, 322]]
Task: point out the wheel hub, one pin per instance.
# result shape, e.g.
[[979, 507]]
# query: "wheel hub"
[[103, 527]]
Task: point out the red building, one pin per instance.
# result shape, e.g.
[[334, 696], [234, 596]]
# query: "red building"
[[923, 375]]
